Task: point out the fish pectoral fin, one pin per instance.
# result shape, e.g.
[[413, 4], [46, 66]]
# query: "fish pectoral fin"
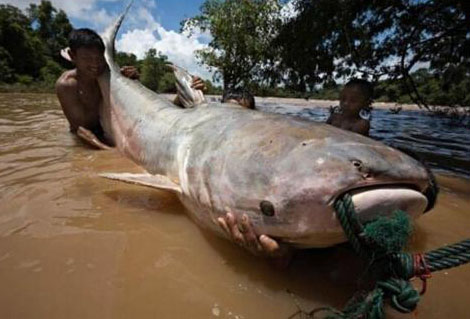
[[149, 180]]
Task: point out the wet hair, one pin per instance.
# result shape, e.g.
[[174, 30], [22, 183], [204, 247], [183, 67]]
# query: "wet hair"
[[85, 38], [239, 95], [364, 86]]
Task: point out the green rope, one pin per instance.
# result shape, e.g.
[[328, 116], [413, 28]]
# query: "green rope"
[[449, 256], [382, 242]]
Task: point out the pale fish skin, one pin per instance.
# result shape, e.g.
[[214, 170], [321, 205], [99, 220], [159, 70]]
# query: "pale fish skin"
[[218, 158], [188, 96]]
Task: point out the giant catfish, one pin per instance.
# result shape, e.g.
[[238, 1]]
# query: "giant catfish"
[[285, 173]]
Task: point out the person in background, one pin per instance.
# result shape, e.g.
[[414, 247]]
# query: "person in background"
[[353, 113], [197, 84], [78, 91], [243, 98]]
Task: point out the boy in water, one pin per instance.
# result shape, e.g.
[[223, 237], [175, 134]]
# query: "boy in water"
[[78, 91], [243, 98], [240, 98], [355, 101]]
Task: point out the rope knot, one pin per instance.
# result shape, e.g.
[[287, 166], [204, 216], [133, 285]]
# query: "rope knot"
[[421, 270], [403, 296]]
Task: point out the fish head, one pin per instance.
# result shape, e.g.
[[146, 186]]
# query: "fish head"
[[293, 200]]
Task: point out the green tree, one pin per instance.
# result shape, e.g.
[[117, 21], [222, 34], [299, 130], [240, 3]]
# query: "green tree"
[[53, 28], [7, 74], [153, 69], [167, 83], [23, 51], [340, 38], [211, 88], [242, 31], [125, 59], [50, 73]]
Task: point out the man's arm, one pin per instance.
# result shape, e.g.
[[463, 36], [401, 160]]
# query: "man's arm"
[[66, 90], [90, 138], [130, 72], [197, 84]]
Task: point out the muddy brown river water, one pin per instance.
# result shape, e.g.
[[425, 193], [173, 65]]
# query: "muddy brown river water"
[[73, 245]]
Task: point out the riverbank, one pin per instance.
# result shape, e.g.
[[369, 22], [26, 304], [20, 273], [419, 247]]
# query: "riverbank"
[[327, 103], [316, 103], [310, 103], [24, 88], [298, 102]]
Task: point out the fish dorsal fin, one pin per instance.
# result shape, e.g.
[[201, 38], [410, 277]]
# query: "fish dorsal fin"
[[155, 181], [109, 38], [188, 96]]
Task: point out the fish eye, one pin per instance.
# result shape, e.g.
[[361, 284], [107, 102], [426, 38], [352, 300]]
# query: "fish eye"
[[267, 208], [357, 163]]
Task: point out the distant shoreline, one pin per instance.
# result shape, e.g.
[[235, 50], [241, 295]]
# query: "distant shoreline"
[[298, 102], [313, 103]]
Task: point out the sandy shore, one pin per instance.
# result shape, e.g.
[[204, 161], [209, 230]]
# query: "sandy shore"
[[311, 103]]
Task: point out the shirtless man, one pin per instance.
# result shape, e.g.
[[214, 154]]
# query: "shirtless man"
[[78, 91], [355, 101]]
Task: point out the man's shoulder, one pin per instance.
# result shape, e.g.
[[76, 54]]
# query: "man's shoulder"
[[67, 81], [363, 122], [335, 118], [362, 126]]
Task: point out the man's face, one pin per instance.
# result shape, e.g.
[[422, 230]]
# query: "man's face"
[[352, 100], [89, 61]]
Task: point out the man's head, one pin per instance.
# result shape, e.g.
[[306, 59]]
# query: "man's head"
[[244, 98], [356, 95], [86, 50]]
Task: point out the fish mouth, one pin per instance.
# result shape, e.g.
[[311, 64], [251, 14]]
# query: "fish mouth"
[[408, 196], [371, 202]]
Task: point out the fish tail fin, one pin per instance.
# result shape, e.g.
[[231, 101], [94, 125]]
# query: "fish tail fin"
[[109, 38], [187, 95]]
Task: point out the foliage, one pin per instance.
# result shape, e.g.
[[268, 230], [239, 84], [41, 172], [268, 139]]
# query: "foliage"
[[24, 79], [50, 72], [433, 87], [30, 46], [7, 74], [340, 38], [126, 59], [154, 72], [414, 51], [52, 27], [211, 89], [242, 32], [167, 83], [22, 49]]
